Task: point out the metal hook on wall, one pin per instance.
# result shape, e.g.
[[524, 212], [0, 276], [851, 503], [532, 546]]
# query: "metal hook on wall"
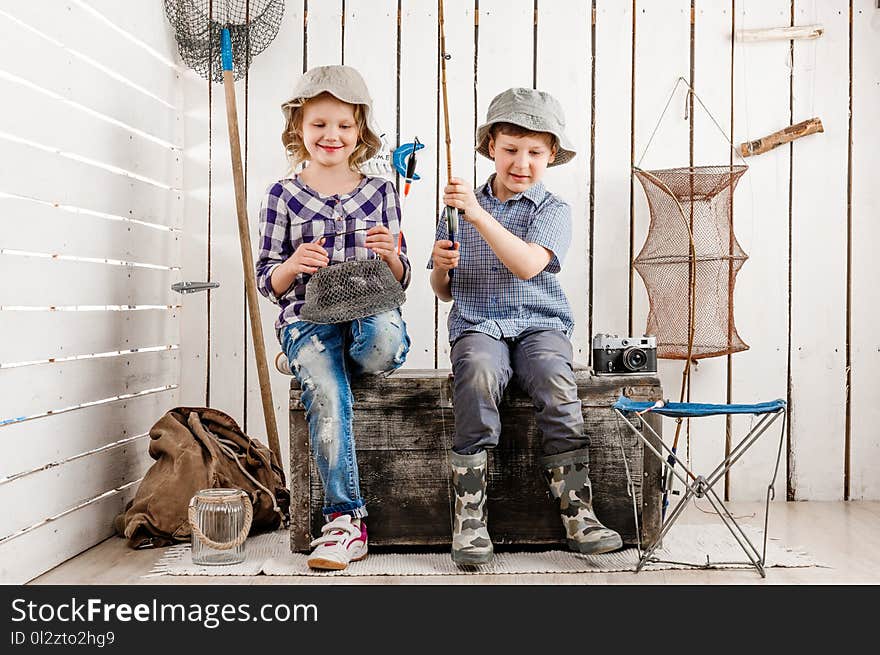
[[192, 287]]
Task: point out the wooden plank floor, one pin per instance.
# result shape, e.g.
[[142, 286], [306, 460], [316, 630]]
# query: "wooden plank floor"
[[845, 536]]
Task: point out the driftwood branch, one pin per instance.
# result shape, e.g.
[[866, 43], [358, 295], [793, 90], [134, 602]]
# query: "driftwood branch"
[[790, 133], [781, 33]]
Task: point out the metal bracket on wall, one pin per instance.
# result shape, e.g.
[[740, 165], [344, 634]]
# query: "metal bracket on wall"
[[192, 287]]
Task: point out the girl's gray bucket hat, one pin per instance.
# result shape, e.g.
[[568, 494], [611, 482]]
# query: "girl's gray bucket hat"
[[534, 110], [342, 82]]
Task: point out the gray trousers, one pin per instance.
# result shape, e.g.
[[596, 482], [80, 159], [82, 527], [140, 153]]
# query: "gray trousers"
[[541, 361]]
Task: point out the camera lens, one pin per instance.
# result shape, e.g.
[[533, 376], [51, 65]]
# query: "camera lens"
[[634, 359]]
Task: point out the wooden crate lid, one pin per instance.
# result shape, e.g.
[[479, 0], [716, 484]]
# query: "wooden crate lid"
[[433, 388]]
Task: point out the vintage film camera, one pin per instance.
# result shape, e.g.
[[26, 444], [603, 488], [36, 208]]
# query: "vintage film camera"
[[613, 355]]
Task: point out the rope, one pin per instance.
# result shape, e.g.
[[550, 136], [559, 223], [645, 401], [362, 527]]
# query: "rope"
[[211, 500], [706, 109], [231, 454]]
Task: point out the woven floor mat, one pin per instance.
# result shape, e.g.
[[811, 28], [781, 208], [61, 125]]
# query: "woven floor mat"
[[269, 554]]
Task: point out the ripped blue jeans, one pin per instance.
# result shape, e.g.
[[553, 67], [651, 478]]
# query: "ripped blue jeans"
[[324, 358]]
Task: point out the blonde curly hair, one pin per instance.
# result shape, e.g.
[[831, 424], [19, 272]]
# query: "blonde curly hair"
[[291, 138]]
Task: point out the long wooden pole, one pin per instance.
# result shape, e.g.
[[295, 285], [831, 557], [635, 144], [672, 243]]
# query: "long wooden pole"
[[247, 262], [450, 212], [443, 57]]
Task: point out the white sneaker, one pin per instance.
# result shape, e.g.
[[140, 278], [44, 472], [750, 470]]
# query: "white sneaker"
[[343, 540], [282, 364]]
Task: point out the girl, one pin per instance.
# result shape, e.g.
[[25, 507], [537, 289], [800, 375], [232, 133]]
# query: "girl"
[[327, 214]]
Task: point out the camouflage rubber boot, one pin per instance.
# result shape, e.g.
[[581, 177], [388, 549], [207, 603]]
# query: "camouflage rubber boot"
[[568, 477], [470, 536]]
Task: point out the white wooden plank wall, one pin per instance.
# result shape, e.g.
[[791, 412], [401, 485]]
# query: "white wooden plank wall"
[[712, 66], [91, 212], [272, 84], [227, 315], [661, 57], [195, 264], [93, 174], [864, 359], [762, 73], [462, 33], [817, 350], [419, 117], [494, 45], [612, 146], [564, 35]]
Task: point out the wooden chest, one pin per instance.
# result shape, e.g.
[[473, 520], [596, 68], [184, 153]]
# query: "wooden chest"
[[403, 427]]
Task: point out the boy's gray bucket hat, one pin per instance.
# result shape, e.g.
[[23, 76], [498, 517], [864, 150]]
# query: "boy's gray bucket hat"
[[342, 82], [534, 110]]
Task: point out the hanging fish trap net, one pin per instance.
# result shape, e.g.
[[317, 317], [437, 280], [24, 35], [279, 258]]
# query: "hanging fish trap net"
[[690, 260]]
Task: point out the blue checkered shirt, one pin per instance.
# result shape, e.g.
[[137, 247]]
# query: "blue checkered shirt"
[[487, 297], [293, 213]]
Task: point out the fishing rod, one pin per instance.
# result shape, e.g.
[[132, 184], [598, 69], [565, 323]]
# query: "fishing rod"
[[450, 213]]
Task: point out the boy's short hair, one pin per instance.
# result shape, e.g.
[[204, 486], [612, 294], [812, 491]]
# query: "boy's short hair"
[[512, 129]]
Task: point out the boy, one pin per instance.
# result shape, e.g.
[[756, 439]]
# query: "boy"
[[510, 318]]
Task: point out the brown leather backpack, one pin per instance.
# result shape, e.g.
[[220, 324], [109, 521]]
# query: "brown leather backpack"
[[201, 448]]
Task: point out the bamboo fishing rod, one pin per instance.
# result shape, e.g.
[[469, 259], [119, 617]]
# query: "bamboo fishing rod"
[[450, 212]]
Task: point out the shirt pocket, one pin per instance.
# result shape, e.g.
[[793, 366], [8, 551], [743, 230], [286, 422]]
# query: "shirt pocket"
[[356, 230], [306, 230]]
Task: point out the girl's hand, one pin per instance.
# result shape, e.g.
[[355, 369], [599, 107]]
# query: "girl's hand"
[[380, 241], [460, 195], [445, 258], [309, 257]]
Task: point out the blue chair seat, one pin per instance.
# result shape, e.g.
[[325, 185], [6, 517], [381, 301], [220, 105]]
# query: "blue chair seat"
[[689, 410]]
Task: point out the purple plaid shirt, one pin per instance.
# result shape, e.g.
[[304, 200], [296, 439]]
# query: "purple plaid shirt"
[[293, 213]]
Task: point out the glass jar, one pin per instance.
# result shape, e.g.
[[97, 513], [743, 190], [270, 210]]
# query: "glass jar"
[[220, 520]]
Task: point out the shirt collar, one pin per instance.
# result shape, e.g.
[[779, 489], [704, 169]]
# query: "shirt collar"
[[305, 187], [535, 193]]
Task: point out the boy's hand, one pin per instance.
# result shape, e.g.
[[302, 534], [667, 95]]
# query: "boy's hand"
[[445, 258], [380, 241], [460, 195], [309, 257]]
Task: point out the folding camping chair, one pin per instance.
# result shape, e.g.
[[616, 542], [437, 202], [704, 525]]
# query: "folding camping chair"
[[698, 486]]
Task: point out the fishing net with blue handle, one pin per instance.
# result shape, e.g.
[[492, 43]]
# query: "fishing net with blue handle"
[[197, 24]]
